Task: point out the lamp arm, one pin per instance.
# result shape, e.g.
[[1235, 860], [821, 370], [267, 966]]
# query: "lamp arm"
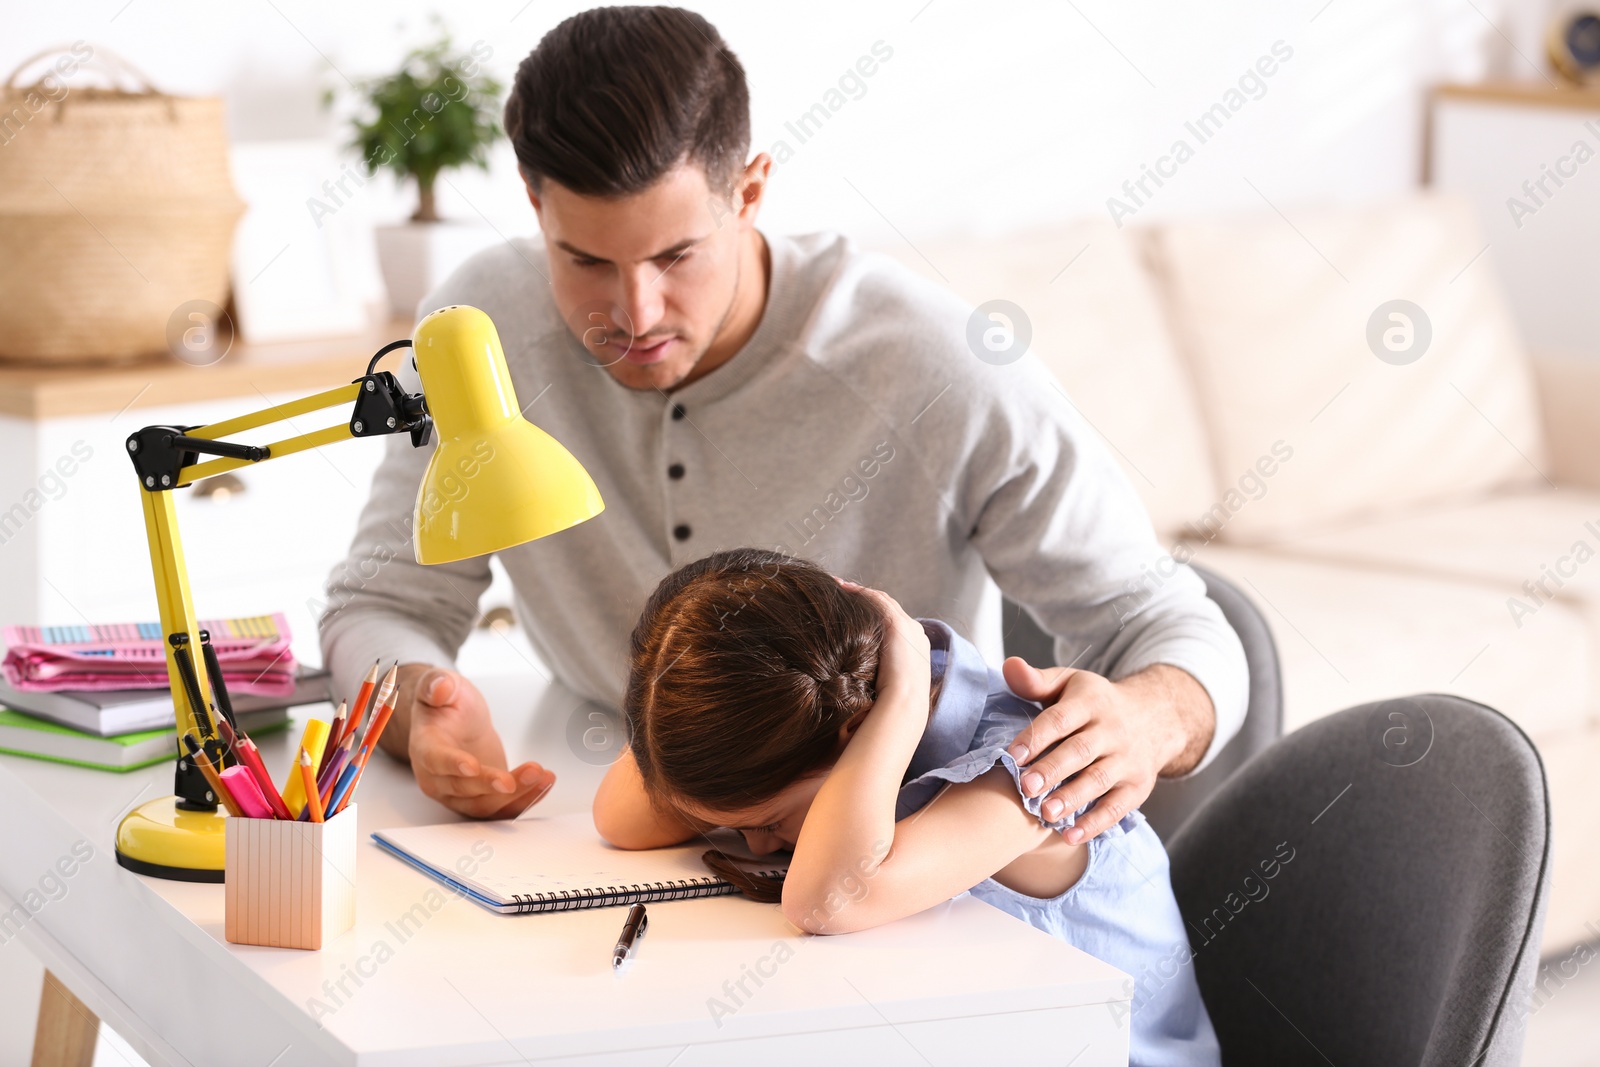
[[166, 458]]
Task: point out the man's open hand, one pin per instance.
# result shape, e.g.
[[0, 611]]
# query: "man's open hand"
[[1117, 737], [458, 757]]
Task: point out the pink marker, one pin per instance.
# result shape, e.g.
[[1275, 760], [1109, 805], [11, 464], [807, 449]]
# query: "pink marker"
[[246, 793]]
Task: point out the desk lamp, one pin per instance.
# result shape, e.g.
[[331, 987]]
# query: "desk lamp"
[[495, 480]]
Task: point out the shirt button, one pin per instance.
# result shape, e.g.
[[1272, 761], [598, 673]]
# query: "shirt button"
[[675, 471], [681, 532], [679, 411]]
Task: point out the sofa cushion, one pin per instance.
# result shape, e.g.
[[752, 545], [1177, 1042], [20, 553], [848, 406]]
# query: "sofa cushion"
[[1535, 548], [1513, 540], [1567, 387], [1573, 915], [1348, 634], [1097, 324], [1272, 314]]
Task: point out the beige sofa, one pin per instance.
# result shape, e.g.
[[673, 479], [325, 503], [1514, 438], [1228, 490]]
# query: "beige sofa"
[[1422, 526]]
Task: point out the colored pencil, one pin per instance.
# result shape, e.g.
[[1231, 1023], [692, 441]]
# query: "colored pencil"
[[330, 777], [250, 757], [335, 735], [375, 729], [383, 700], [229, 738], [308, 784], [341, 788], [203, 761], [363, 704], [330, 773]]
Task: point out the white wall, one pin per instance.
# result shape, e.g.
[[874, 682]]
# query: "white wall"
[[988, 116], [1544, 248]]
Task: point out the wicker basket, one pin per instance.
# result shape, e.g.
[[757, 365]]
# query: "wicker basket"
[[116, 208]]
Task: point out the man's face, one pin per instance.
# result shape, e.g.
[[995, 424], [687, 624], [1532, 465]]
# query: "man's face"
[[645, 282]]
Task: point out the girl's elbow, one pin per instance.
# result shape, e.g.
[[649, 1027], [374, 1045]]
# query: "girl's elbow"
[[618, 832], [604, 827], [807, 916], [824, 915]]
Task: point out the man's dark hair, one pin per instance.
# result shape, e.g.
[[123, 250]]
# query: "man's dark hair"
[[613, 98]]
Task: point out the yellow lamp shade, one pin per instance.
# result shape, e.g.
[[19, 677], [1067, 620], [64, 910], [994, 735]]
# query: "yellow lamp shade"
[[495, 480]]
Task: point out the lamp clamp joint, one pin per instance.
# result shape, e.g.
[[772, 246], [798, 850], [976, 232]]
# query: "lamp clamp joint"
[[384, 407], [158, 454]]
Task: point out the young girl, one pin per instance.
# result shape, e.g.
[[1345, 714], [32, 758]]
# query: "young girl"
[[815, 715]]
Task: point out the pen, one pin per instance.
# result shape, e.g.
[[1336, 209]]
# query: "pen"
[[191, 686], [632, 929], [219, 688], [242, 784]]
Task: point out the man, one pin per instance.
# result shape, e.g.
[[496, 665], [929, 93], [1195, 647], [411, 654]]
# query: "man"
[[725, 387]]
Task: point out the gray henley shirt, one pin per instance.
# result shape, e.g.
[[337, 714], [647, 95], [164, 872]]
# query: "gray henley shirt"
[[855, 428]]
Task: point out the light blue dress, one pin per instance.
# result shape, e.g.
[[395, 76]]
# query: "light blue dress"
[[1122, 909]]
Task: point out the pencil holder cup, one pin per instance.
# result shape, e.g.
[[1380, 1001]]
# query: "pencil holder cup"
[[290, 884]]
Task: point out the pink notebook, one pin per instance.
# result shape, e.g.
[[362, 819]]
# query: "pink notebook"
[[253, 653]]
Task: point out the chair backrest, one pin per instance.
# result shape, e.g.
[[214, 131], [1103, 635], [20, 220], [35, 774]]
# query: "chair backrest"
[[1371, 889], [1174, 800]]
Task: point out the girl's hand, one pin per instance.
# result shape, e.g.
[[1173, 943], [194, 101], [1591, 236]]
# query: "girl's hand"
[[905, 664]]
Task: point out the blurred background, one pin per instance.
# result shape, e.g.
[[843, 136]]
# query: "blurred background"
[[978, 123], [985, 118]]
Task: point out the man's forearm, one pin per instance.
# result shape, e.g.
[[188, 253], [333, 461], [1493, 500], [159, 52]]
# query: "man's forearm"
[[1182, 712]]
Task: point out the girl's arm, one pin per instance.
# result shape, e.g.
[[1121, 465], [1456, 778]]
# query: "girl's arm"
[[854, 867], [624, 815], [967, 833]]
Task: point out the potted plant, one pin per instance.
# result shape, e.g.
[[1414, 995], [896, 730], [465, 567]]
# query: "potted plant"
[[439, 111]]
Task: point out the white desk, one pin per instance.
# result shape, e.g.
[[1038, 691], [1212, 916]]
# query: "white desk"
[[455, 984]]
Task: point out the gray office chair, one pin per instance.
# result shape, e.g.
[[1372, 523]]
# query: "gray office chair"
[[1371, 890], [1175, 799]]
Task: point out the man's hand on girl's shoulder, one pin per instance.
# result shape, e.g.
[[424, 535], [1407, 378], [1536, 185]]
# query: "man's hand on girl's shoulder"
[[1118, 738]]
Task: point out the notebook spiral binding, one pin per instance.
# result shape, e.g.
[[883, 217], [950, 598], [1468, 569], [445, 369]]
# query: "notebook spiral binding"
[[639, 893]]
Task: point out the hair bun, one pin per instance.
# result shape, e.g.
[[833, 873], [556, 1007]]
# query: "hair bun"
[[844, 691]]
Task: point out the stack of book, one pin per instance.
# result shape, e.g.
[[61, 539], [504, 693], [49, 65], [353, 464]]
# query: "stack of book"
[[97, 696]]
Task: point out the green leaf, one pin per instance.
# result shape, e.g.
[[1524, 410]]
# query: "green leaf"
[[439, 111]]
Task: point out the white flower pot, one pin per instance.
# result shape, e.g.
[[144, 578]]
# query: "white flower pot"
[[416, 256]]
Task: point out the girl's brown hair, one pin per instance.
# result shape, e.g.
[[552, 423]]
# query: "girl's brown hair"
[[743, 668]]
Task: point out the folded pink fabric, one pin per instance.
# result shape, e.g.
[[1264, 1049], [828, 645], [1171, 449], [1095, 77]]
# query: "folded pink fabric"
[[253, 653]]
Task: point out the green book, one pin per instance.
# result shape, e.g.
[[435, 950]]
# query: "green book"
[[24, 735]]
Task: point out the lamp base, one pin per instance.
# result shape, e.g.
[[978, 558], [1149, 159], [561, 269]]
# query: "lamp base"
[[162, 840]]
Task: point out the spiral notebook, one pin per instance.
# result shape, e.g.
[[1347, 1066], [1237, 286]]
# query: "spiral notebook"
[[559, 863]]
